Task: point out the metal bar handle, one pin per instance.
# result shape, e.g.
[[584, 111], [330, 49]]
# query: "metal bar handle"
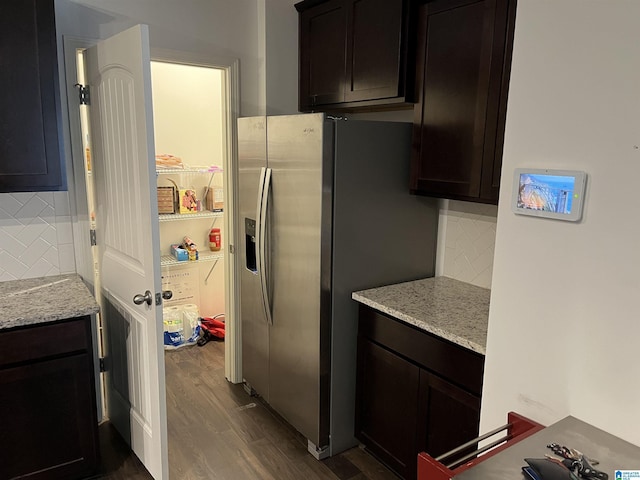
[[472, 442], [477, 452], [262, 266]]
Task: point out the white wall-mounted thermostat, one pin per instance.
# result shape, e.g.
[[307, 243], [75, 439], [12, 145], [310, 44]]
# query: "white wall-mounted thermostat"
[[555, 194]]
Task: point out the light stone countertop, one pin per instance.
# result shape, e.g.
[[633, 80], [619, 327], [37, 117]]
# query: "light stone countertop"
[[44, 299], [451, 309]]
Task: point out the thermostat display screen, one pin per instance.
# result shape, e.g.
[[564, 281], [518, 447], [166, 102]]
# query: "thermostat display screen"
[[549, 193], [552, 193]]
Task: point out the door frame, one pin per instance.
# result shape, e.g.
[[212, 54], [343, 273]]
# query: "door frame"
[[74, 153], [80, 216]]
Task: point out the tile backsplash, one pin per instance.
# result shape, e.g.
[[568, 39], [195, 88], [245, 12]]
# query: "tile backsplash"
[[466, 243], [36, 237]]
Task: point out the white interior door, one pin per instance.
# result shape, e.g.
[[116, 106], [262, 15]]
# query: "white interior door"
[[118, 74]]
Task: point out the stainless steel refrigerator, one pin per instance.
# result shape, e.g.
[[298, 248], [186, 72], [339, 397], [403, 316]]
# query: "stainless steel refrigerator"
[[326, 210]]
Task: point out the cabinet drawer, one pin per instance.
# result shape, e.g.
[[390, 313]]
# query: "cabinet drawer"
[[44, 340], [458, 365]]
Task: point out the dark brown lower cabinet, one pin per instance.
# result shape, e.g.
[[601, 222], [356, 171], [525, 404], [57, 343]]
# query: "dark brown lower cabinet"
[[388, 412], [47, 402], [449, 417], [409, 398]]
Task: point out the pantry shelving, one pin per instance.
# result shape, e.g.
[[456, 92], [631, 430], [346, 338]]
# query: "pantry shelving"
[[200, 179], [173, 217], [189, 171], [170, 260]]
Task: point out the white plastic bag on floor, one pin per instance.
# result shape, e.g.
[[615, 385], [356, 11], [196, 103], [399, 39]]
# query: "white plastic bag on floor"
[[181, 325], [190, 319], [173, 327]]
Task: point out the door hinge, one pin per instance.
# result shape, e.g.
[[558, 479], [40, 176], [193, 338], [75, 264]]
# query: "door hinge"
[[92, 237], [83, 94], [101, 365], [232, 249]]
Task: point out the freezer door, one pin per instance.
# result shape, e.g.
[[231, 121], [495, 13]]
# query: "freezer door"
[[252, 158], [300, 157]]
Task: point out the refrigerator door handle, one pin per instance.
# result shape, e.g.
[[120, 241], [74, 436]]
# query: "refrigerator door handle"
[[262, 245], [263, 172], [258, 241]]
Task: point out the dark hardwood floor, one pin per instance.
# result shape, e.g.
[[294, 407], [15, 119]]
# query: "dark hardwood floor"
[[216, 431]]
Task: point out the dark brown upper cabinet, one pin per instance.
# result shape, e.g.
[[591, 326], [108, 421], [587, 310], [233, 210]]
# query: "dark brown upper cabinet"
[[356, 54], [30, 138], [464, 61]]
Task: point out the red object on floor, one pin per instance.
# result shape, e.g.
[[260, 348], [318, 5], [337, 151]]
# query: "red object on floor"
[[213, 326]]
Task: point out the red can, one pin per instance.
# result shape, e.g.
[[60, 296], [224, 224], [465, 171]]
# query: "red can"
[[215, 240]]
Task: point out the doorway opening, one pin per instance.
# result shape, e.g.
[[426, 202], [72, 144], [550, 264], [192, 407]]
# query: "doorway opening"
[[191, 158], [196, 106]]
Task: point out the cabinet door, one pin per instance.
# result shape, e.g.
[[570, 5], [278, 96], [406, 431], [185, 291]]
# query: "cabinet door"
[[29, 104], [449, 416], [387, 406], [48, 418], [497, 101], [462, 55], [322, 54], [375, 49]]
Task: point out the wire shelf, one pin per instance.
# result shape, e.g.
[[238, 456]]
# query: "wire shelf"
[[203, 257], [176, 217], [189, 171]]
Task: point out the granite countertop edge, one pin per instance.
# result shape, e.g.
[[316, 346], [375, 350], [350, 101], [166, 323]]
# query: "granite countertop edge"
[[44, 300], [465, 327]]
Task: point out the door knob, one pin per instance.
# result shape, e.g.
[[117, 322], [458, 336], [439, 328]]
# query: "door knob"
[[146, 298], [167, 294]]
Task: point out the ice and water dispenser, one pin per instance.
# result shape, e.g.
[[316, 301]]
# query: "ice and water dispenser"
[[250, 244]]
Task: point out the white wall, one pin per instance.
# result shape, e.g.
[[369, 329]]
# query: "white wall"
[[218, 28], [278, 45], [563, 326], [262, 34], [188, 113]]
